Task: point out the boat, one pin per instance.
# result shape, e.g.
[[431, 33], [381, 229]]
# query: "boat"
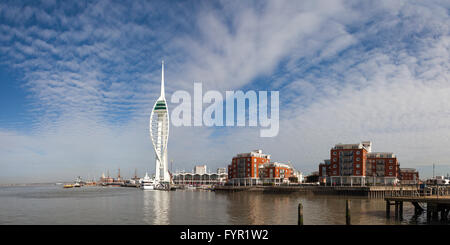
[[147, 183], [78, 182], [129, 185], [68, 186]]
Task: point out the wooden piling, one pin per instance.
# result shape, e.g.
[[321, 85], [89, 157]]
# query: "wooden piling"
[[347, 213], [396, 209], [443, 215], [400, 210], [300, 214], [388, 209], [417, 208], [435, 215]]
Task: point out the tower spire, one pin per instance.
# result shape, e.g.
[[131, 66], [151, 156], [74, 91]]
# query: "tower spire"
[[162, 80]]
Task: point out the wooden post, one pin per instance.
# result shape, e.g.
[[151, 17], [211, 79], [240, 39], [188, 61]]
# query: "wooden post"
[[347, 213], [435, 214], [443, 215], [401, 210], [300, 214], [396, 209], [388, 209]]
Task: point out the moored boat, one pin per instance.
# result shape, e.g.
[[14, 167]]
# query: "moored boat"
[[147, 183]]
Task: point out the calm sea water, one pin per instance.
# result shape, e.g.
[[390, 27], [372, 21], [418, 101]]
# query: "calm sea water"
[[117, 205]]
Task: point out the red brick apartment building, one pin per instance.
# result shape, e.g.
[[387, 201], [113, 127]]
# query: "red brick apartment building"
[[255, 168], [351, 164], [409, 176], [275, 172]]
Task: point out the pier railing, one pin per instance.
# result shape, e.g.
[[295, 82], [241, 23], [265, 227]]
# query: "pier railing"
[[427, 191], [368, 191]]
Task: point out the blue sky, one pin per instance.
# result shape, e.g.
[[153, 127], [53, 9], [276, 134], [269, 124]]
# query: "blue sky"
[[78, 79]]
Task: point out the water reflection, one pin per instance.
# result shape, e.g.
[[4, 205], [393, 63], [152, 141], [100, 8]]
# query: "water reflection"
[[156, 207], [54, 205], [258, 208]]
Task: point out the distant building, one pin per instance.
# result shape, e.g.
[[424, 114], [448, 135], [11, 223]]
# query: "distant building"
[[324, 171], [297, 177], [356, 164], [312, 178], [222, 170], [110, 180], [105, 179], [199, 177], [200, 169], [409, 176]]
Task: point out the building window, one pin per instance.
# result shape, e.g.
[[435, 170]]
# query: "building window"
[[255, 160], [334, 166], [357, 165], [358, 159], [390, 173], [391, 161], [334, 172], [334, 159], [334, 153], [358, 172], [390, 167], [358, 152]]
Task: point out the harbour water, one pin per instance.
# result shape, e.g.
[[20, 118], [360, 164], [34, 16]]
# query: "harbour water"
[[118, 205]]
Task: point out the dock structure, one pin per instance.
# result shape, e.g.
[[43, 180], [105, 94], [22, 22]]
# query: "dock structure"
[[375, 192], [435, 202]]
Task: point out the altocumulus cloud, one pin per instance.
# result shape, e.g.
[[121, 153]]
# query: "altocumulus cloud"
[[346, 71]]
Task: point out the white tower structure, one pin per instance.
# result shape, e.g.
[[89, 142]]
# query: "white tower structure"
[[159, 133]]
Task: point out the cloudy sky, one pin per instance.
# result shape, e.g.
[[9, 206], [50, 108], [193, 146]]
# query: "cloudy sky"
[[78, 80]]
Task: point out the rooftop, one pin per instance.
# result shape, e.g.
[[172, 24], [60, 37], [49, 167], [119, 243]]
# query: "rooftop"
[[363, 145], [255, 153]]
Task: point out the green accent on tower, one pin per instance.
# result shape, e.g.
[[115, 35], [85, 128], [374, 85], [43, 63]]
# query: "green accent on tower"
[[160, 105]]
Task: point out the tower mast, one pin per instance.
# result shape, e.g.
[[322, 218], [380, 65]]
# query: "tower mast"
[[162, 81]]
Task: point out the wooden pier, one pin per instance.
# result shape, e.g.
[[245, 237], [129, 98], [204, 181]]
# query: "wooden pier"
[[375, 192], [432, 204]]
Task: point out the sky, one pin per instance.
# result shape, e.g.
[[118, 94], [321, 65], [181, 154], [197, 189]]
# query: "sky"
[[78, 80]]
